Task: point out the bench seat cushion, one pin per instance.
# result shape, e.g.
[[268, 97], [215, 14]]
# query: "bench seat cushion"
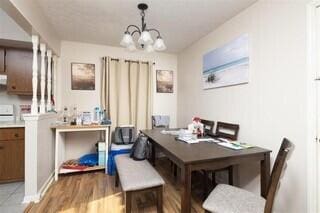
[[229, 199], [136, 175]]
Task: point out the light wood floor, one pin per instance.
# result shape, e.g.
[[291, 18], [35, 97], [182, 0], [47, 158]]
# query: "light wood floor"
[[95, 192]]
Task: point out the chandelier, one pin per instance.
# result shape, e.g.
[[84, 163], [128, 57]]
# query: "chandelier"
[[145, 40]]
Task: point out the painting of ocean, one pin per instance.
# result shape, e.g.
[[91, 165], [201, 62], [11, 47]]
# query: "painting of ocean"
[[227, 65]]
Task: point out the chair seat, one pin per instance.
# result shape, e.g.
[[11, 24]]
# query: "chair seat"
[[228, 199], [136, 175]]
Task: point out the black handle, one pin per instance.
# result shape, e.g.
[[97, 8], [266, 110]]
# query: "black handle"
[[13, 87], [16, 135]]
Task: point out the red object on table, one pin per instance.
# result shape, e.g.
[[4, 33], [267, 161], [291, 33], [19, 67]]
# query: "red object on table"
[[75, 167]]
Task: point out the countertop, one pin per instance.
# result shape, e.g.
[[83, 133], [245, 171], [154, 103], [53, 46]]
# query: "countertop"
[[11, 124], [91, 126]]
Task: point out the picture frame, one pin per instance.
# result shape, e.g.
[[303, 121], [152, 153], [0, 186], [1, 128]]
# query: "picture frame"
[[227, 65], [164, 80], [82, 76]]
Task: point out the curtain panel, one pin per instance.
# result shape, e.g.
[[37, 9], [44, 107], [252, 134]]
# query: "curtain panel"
[[126, 92]]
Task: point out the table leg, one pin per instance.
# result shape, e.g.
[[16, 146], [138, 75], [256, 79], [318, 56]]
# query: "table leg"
[[106, 139], [56, 160], [186, 189], [153, 154], [265, 174]]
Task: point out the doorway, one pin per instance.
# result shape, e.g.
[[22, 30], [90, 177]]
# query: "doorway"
[[313, 111]]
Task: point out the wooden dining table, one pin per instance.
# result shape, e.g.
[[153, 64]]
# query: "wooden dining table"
[[205, 156]]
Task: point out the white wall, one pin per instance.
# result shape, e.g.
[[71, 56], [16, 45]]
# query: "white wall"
[[87, 100], [272, 105], [9, 29], [39, 154], [32, 13]]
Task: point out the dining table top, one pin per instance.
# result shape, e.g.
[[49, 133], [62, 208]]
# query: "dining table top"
[[197, 152]]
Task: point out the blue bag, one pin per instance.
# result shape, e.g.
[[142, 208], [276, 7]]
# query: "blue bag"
[[89, 160]]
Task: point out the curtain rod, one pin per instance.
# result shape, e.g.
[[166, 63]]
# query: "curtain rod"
[[143, 62]]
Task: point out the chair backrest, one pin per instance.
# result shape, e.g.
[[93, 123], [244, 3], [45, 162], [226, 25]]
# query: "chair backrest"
[[285, 151], [160, 121], [227, 130], [207, 126]]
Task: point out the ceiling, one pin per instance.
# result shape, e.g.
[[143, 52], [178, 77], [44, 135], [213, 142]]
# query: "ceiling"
[[181, 22]]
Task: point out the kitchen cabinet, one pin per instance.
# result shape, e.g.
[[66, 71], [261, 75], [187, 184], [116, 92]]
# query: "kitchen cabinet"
[[2, 61], [19, 71], [11, 154], [18, 64]]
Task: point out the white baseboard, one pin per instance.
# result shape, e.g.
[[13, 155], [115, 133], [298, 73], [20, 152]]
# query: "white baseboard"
[[46, 185], [37, 197], [31, 198]]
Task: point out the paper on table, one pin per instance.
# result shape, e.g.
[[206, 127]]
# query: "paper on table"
[[208, 140], [231, 146], [170, 132]]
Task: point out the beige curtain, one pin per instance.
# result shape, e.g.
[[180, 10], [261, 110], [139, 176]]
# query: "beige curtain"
[[127, 92]]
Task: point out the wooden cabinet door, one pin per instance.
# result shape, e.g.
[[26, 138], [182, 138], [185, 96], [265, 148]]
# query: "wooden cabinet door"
[[11, 160], [2, 61], [19, 71]]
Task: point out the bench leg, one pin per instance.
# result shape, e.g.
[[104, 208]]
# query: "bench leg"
[[175, 168], [213, 179], [117, 179], [128, 198], [160, 199]]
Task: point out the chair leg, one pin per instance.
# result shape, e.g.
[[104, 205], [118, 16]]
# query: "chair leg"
[[128, 198], [160, 199], [230, 175], [205, 184]]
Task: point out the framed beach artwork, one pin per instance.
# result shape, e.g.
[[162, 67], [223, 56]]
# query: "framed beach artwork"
[[164, 81], [227, 65], [82, 76]]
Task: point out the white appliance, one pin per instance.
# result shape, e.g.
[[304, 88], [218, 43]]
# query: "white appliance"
[[7, 112], [3, 79]]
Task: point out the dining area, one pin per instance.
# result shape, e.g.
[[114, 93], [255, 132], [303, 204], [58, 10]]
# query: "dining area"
[[207, 157], [204, 156]]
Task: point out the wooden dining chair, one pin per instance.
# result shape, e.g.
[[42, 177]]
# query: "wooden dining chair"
[[228, 199], [208, 131], [208, 126], [227, 131], [163, 124]]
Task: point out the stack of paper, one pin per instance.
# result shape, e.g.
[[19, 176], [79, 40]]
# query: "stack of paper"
[[231, 146], [235, 145], [170, 132]]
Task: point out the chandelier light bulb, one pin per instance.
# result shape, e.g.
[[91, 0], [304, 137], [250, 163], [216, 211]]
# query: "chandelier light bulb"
[[126, 40], [159, 44], [145, 38]]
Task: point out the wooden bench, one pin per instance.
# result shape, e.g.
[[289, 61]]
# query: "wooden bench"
[[137, 176]]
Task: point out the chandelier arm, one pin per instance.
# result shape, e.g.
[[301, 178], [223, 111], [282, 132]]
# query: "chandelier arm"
[[136, 31], [135, 26], [150, 30]]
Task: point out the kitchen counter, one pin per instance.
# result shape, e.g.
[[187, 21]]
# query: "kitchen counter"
[[11, 124]]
